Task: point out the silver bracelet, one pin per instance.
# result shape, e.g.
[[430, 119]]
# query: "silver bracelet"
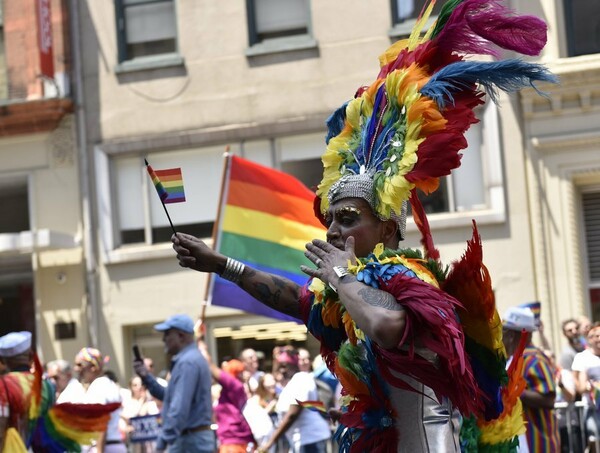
[[233, 270]]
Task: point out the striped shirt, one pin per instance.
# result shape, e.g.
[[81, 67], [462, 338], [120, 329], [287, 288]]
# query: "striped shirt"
[[542, 427]]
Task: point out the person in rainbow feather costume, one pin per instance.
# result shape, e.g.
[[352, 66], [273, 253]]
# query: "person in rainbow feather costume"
[[416, 346]]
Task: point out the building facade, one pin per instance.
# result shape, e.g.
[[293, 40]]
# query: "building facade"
[[41, 272], [179, 81]]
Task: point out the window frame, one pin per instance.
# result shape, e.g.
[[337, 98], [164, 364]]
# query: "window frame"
[[590, 283], [256, 47], [403, 28], [569, 28], [127, 63]]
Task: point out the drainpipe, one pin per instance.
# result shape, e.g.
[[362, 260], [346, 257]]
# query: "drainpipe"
[[85, 182]]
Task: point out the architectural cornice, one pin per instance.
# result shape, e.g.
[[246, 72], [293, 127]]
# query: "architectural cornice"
[[216, 135], [566, 141], [578, 90]]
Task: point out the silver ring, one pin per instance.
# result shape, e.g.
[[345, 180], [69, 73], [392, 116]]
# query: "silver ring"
[[319, 262]]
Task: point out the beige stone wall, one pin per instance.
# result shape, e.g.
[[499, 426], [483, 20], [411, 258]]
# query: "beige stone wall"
[[48, 161]]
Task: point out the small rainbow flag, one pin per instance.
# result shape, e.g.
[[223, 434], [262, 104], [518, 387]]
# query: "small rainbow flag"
[[168, 184], [316, 406], [266, 219]]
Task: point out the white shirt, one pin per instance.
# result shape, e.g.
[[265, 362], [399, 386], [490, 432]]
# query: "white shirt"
[[73, 393], [310, 426], [103, 391]]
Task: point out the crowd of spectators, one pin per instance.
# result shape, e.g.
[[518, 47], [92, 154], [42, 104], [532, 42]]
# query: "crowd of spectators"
[[257, 399], [561, 400], [283, 401]]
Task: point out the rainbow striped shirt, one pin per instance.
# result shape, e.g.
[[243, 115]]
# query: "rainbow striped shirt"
[[542, 427]]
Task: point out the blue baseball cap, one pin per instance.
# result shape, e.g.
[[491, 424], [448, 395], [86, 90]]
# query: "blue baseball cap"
[[15, 343], [179, 322]]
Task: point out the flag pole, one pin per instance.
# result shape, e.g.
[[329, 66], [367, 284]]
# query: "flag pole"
[[216, 226], [152, 174]]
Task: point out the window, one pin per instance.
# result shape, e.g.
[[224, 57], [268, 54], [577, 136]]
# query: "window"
[[591, 223], [14, 199], [272, 19], [145, 28], [582, 20], [300, 156], [405, 13], [474, 185]]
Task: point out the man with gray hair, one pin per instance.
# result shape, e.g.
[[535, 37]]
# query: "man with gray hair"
[[68, 388], [252, 374]]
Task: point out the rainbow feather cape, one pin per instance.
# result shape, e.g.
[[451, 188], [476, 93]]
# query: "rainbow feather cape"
[[367, 371], [496, 428]]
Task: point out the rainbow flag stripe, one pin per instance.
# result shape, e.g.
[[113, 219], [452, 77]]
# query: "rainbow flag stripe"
[[316, 406], [266, 220], [172, 182], [160, 189]]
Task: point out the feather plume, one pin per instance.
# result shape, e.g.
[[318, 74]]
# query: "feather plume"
[[524, 34], [423, 224], [470, 283], [444, 15], [502, 432], [352, 359], [478, 26], [335, 122], [429, 306], [506, 75], [414, 38]]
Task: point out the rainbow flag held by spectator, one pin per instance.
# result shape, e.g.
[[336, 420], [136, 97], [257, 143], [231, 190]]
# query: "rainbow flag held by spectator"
[[266, 219], [317, 406]]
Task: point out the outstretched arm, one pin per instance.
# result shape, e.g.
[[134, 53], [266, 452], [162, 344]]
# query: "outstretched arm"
[[275, 292], [375, 312]]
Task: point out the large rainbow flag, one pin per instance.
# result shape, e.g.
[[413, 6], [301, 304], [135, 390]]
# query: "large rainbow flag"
[[266, 219]]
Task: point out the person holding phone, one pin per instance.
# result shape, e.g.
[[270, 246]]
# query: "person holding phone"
[[187, 407]]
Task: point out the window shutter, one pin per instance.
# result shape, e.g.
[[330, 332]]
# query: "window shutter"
[[591, 216], [278, 15]]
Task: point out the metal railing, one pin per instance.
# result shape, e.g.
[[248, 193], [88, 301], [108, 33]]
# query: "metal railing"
[[574, 415]]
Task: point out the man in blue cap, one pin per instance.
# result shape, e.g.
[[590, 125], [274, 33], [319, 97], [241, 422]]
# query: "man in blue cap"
[[187, 406]]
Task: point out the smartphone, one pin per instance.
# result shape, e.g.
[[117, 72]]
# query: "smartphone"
[[136, 352]]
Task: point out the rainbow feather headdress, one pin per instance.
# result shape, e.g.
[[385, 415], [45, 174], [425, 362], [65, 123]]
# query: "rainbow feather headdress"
[[407, 128]]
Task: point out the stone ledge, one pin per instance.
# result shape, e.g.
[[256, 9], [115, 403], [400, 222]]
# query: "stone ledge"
[[29, 117]]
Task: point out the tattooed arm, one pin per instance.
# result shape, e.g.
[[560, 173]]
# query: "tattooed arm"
[[374, 311], [273, 291]]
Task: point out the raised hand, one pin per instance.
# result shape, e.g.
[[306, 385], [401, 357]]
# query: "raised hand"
[[195, 254], [325, 256]]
